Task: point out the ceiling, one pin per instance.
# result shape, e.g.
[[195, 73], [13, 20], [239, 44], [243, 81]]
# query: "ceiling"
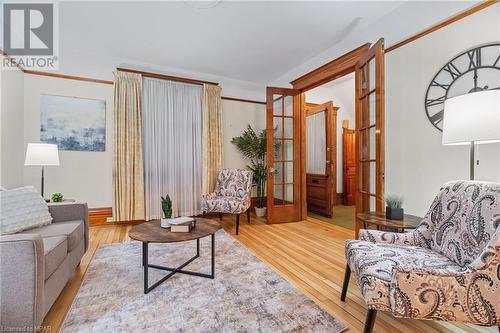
[[248, 41]]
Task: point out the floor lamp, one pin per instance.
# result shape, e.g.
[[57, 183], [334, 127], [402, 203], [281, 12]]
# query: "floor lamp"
[[472, 119], [42, 154]]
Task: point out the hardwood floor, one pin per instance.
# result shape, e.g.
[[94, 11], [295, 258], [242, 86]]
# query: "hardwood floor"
[[309, 254]]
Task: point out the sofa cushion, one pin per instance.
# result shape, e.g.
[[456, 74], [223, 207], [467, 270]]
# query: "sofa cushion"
[[373, 263], [55, 249], [21, 209], [73, 230]]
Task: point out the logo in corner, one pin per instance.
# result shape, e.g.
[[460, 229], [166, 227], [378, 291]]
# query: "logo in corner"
[[29, 35]]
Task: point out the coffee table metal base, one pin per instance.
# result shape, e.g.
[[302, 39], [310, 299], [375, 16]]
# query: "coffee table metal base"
[[147, 265]]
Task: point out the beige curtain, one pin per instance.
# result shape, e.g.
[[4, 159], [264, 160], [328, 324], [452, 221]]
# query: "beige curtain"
[[212, 136], [128, 176]]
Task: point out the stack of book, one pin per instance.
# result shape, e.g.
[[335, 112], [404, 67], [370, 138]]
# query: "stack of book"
[[179, 224]]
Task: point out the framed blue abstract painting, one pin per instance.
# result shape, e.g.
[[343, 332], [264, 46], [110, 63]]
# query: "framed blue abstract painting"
[[73, 123]]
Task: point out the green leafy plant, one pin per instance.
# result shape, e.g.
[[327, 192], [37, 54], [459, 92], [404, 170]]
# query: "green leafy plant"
[[166, 206], [394, 201], [253, 147], [57, 197]]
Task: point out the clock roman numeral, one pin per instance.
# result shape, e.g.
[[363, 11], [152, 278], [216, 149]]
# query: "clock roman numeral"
[[437, 118], [474, 58], [453, 70], [442, 85], [436, 101]]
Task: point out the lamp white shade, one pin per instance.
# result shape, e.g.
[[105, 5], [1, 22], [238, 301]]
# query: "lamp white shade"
[[43, 154], [472, 117]]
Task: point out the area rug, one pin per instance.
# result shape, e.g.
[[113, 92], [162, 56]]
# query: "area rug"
[[245, 296]]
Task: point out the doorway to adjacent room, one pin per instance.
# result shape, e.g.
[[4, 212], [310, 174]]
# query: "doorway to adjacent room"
[[330, 151], [286, 191]]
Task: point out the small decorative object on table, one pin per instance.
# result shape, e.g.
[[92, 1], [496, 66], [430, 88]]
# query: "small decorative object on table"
[[182, 224], [179, 224], [57, 197], [166, 206], [394, 210]]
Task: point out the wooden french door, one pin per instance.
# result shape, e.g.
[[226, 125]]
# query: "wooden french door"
[[284, 197], [370, 128], [349, 166], [321, 166]]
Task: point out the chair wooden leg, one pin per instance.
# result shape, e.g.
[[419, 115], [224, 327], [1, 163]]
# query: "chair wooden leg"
[[237, 224], [220, 216], [248, 215], [347, 276], [370, 320], [204, 214]]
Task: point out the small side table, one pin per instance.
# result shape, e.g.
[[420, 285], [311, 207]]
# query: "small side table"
[[63, 201], [380, 221]]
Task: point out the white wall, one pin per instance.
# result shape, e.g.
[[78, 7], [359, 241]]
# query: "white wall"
[[84, 176], [235, 117], [11, 121], [416, 162], [342, 93]]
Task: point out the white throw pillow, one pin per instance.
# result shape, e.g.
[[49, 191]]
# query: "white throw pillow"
[[21, 209]]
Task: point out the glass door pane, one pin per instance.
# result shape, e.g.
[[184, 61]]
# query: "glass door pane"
[[283, 149], [283, 200]]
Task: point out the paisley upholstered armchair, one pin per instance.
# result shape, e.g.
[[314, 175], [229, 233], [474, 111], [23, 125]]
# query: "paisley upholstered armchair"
[[232, 194], [446, 269]]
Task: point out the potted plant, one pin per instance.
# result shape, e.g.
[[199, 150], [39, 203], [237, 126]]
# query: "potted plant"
[[253, 146], [166, 206], [394, 209], [57, 197]]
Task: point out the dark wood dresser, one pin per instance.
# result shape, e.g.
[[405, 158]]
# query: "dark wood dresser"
[[317, 194]]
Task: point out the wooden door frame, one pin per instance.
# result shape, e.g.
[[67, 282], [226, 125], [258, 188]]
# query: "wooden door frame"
[[341, 66], [331, 143], [376, 53]]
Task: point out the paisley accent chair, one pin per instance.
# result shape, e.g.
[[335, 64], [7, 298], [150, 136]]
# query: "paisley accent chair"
[[232, 194], [446, 269]]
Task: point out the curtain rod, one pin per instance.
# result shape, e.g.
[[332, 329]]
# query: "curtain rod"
[[166, 77]]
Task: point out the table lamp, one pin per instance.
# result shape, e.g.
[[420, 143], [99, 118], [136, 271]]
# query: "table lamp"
[[41, 154], [472, 119]]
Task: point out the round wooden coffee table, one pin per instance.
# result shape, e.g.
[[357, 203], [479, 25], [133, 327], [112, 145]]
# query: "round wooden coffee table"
[[152, 232]]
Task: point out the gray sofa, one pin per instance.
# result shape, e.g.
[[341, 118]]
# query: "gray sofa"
[[36, 264]]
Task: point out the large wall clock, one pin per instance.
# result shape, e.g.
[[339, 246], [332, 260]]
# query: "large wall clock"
[[473, 70]]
